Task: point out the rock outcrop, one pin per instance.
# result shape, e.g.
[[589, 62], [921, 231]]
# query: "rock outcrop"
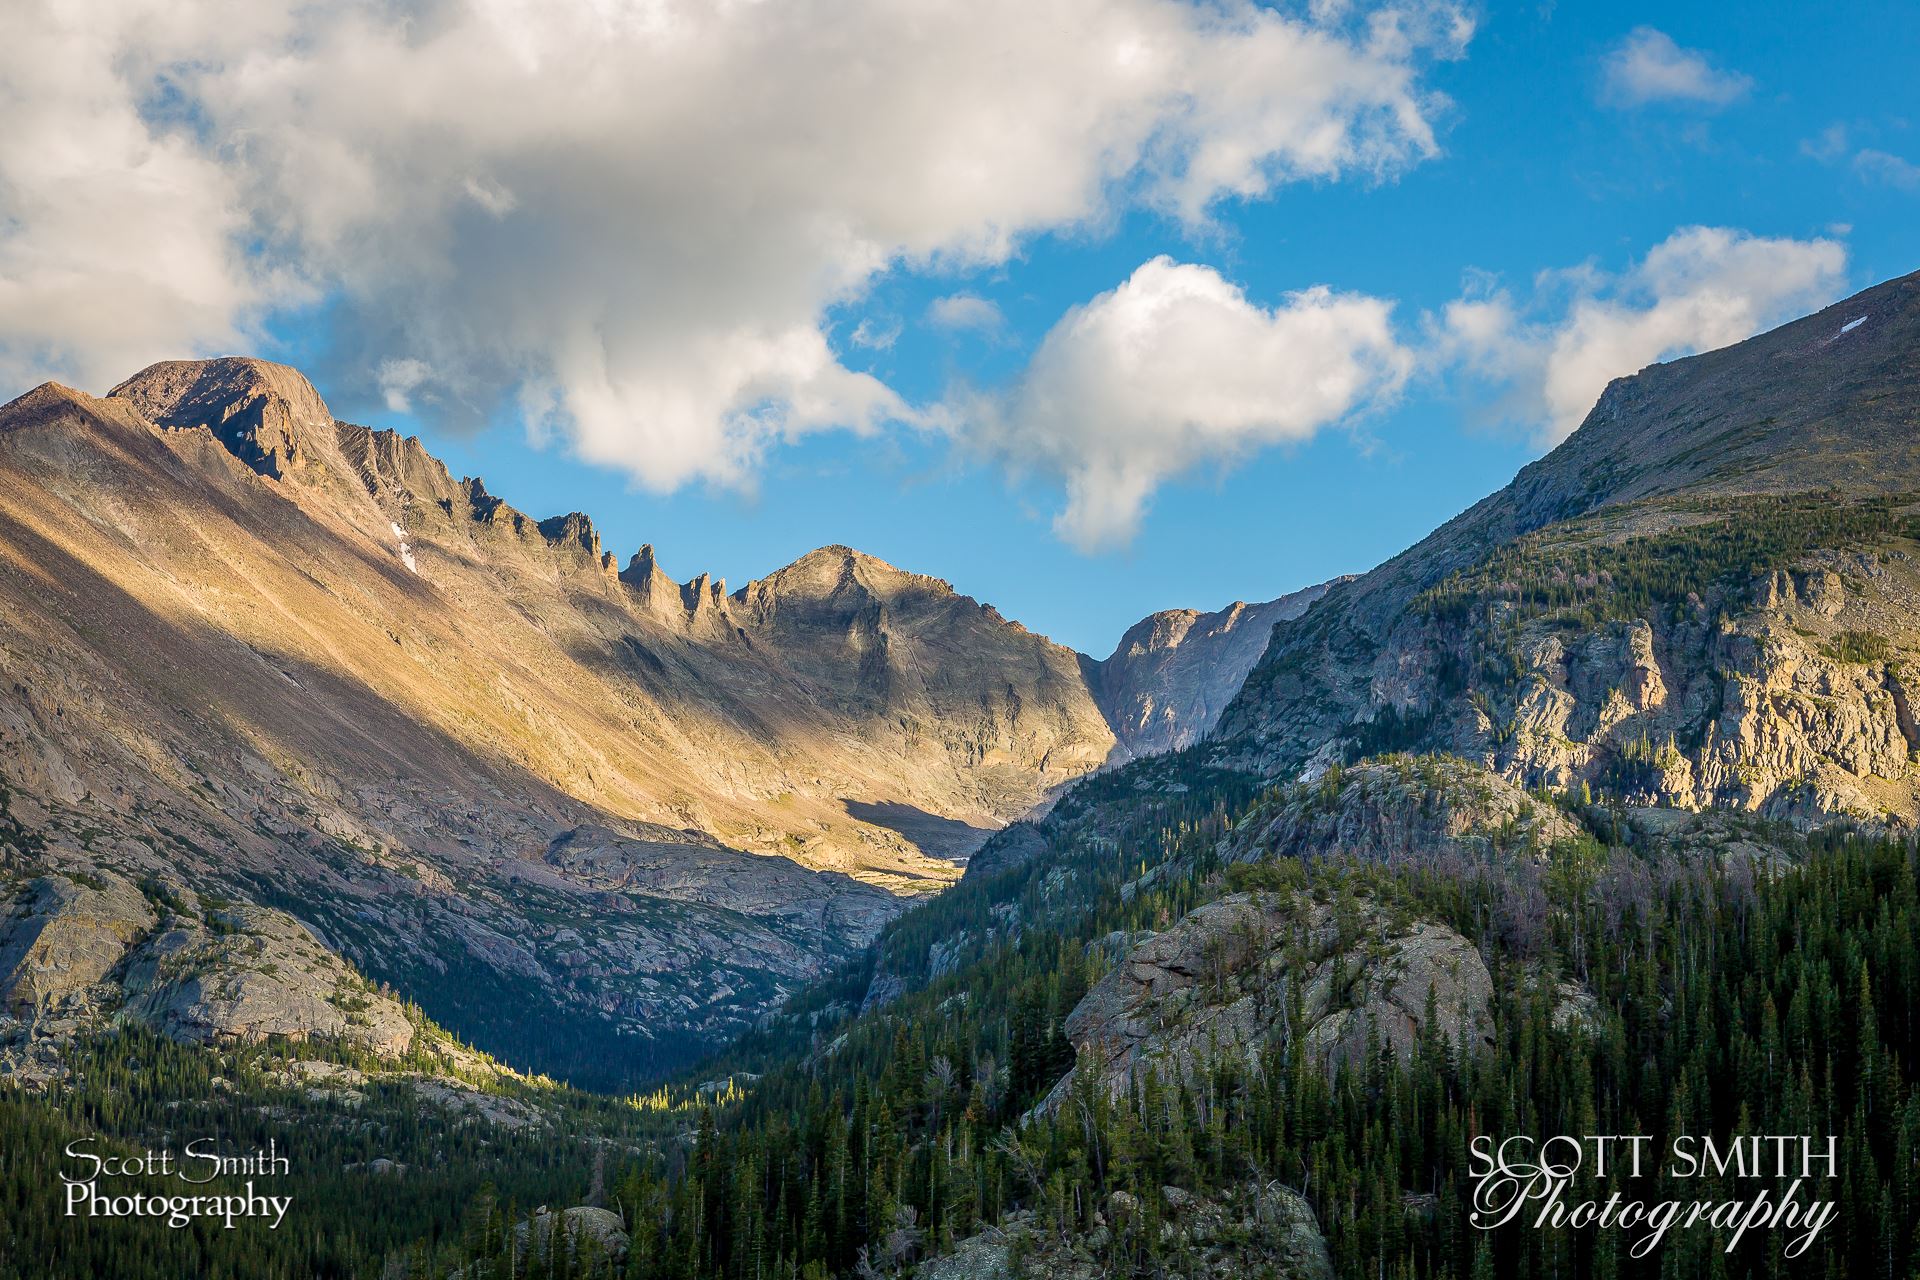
[[1402, 809], [583, 1227], [86, 949], [1250, 971], [1259, 1229], [244, 974], [64, 935]]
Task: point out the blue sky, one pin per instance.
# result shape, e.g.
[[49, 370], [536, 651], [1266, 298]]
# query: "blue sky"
[[1572, 147]]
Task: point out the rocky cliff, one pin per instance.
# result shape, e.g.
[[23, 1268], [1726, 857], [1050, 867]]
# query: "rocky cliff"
[[1252, 972], [1706, 596], [1174, 672], [79, 948]]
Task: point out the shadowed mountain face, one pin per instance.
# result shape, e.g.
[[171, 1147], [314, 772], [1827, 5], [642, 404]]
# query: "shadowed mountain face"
[[1173, 673], [579, 812], [1706, 595]]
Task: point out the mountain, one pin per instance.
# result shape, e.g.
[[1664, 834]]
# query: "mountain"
[[1174, 672], [1584, 811], [590, 817], [254, 652], [1593, 808], [1707, 595]]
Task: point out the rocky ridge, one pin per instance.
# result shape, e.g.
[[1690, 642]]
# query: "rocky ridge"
[[286, 660], [1402, 809], [1173, 673], [1706, 596], [81, 949]]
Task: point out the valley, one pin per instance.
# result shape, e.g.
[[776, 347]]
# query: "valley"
[[1595, 808], [595, 820]]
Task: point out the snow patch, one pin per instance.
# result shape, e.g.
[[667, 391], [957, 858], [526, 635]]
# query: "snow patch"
[[1853, 324], [406, 552]]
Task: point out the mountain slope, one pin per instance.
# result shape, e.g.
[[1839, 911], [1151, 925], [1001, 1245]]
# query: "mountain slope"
[[1706, 595], [293, 661], [1174, 672], [1191, 979]]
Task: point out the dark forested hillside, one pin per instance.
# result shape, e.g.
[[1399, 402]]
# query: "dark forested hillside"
[[1670, 979], [381, 1169]]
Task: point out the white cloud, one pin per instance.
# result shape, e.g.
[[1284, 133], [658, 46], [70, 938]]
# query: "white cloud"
[[1701, 288], [875, 335], [633, 217], [1869, 163], [120, 240], [959, 312], [1828, 147], [1174, 369], [399, 379], [1647, 66], [1177, 369], [1884, 166]]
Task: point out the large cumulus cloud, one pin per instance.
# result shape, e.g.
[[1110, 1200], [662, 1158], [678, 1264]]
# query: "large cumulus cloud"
[[630, 221]]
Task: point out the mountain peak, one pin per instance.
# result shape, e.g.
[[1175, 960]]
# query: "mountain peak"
[[839, 554], [1173, 672], [575, 529], [642, 569], [48, 397], [839, 569], [268, 415]]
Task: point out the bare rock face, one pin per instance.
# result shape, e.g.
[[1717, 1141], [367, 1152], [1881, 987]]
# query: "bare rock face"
[[1761, 666], [63, 937], [1787, 695], [268, 414], [1218, 985], [1401, 809], [979, 1257], [1426, 963], [578, 1226], [1009, 707], [1769, 696], [1173, 673], [692, 868], [246, 974], [86, 947]]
